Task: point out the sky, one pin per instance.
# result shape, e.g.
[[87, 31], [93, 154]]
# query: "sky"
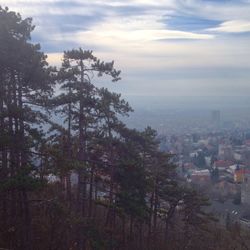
[[163, 47]]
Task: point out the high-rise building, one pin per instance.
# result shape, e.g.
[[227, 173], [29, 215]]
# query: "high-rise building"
[[215, 117]]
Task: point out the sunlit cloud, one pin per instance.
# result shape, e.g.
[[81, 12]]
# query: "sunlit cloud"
[[235, 26]]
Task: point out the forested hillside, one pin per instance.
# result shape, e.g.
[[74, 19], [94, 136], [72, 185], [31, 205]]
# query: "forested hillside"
[[88, 181]]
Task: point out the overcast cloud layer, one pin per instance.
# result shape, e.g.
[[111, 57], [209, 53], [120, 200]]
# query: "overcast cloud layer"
[[163, 47]]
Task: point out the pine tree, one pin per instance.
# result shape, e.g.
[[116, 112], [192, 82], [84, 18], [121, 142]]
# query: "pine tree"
[[26, 84], [78, 104]]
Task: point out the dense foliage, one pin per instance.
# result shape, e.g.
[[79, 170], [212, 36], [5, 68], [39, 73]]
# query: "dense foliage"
[[72, 175]]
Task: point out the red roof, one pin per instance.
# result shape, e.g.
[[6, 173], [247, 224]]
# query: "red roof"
[[223, 164]]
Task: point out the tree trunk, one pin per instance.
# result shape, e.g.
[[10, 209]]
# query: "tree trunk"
[[150, 216], [91, 191], [82, 175]]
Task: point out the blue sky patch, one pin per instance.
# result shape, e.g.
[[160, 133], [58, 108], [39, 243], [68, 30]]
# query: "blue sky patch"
[[189, 23]]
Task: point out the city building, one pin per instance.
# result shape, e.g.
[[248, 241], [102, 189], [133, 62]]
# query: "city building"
[[245, 189]]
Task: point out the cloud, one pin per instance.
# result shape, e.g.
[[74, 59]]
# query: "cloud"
[[234, 26], [117, 38], [117, 32], [164, 45]]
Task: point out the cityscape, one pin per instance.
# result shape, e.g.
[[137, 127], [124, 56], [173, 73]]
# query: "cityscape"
[[212, 151]]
